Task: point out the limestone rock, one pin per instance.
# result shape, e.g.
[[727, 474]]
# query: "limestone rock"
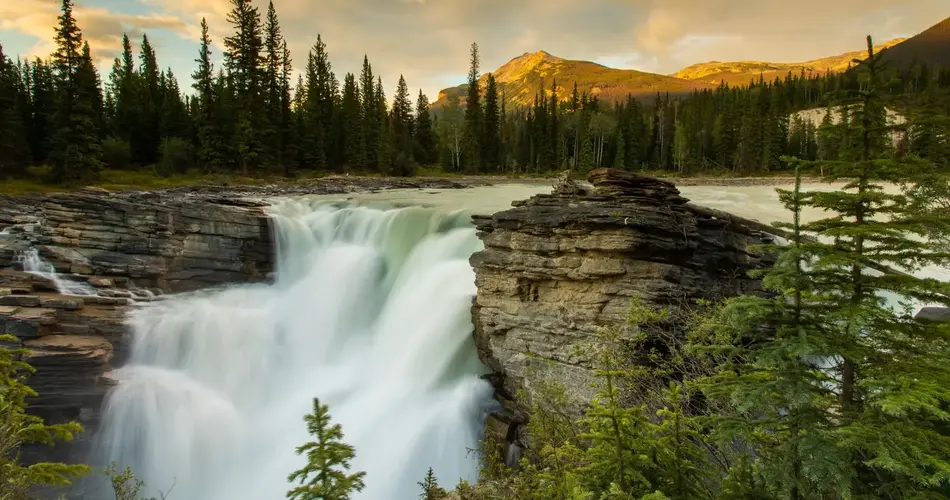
[[556, 268]]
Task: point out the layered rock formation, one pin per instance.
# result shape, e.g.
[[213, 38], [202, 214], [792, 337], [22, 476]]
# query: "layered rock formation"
[[171, 246], [557, 267]]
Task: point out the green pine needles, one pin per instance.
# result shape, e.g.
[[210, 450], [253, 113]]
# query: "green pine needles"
[[325, 476], [18, 428]]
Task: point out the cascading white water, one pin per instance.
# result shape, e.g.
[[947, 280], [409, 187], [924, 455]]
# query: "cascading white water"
[[32, 263], [370, 312]]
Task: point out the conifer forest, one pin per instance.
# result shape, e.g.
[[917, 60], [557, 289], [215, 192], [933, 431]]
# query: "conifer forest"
[[249, 118]]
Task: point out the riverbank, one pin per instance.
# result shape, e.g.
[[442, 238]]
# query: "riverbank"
[[136, 181]]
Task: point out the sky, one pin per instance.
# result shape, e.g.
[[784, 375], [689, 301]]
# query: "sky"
[[428, 41]]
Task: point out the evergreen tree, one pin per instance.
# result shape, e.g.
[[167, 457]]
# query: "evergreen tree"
[[14, 144], [621, 154], [75, 146], [244, 61], [401, 120], [425, 141], [430, 487], [326, 475], [772, 378], [491, 144], [370, 116], [174, 117], [352, 123], [211, 151], [273, 85], [473, 117], [18, 428], [149, 136]]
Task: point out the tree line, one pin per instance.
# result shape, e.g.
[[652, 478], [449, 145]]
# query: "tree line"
[[247, 117]]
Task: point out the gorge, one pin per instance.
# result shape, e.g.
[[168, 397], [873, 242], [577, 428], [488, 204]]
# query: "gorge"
[[368, 306]]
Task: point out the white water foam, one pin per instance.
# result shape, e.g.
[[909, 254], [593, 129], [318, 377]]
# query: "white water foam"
[[32, 263], [370, 312]]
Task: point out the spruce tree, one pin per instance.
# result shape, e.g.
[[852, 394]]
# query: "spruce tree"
[[425, 141], [491, 144], [892, 369], [326, 475], [244, 60], [369, 136], [75, 145], [14, 145], [210, 147], [150, 97], [769, 353], [352, 123], [401, 120], [430, 487], [621, 154], [472, 130]]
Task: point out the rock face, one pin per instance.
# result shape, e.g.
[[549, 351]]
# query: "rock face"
[[557, 267], [173, 244]]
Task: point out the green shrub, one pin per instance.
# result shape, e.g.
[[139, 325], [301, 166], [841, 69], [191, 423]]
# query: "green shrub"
[[116, 153], [175, 157]]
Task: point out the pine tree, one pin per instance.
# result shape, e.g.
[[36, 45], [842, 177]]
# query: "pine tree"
[[271, 121], [425, 141], [618, 433], [352, 123], [149, 136], [892, 369], [621, 154], [14, 144], [370, 116], [326, 475], [430, 487], [18, 428], [210, 147], [770, 374], [174, 116], [401, 120], [75, 146], [491, 144], [473, 117], [244, 60]]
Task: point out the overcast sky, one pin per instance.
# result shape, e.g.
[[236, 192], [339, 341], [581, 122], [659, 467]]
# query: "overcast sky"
[[428, 40]]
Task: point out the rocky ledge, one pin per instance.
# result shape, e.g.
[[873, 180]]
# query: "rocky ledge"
[[179, 239], [557, 267]]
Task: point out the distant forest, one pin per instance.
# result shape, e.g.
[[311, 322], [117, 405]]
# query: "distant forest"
[[248, 118]]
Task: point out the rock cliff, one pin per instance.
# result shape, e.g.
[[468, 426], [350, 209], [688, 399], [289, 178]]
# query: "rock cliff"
[[557, 267], [173, 245]]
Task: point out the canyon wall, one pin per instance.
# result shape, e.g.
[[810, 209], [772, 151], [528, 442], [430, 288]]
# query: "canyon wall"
[[173, 244], [558, 267]]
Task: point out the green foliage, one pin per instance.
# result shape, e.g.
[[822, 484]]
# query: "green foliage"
[[18, 428], [325, 476], [116, 153], [175, 157], [126, 486], [430, 487]]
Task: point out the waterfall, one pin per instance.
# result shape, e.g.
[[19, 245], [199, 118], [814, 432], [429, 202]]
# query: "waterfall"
[[32, 263], [369, 311]]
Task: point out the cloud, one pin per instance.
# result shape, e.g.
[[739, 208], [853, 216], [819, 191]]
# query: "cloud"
[[424, 39], [100, 27], [428, 39]]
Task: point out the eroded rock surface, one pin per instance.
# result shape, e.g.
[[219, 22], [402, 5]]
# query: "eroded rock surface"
[[557, 267]]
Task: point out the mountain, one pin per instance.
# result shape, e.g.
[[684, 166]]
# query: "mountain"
[[523, 76], [742, 72], [932, 47]]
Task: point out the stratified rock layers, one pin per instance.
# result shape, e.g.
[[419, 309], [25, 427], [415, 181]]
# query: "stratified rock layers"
[[171, 244], [556, 268]]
